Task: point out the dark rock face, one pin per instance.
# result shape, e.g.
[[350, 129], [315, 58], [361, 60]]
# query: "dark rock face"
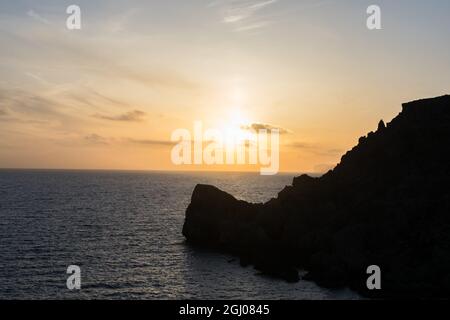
[[387, 203]]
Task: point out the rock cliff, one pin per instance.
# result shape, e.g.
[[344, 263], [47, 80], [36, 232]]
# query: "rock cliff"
[[387, 203]]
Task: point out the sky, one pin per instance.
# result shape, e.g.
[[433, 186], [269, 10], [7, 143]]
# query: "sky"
[[110, 95]]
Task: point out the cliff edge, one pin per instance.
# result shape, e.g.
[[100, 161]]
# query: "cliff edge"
[[387, 203]]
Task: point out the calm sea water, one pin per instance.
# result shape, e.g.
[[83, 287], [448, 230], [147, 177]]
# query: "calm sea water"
[[124, 230]]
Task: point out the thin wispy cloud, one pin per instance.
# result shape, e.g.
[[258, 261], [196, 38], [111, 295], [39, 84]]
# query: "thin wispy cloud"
[[244, 15], [315, 149], [150, 142], [103, 97], [265, 126], [254, 26], [24, 103], [119, 23], [38, 109], [82, 96], [96, 139], [33, 14], [132, 116], [37, 78], [87, 55]]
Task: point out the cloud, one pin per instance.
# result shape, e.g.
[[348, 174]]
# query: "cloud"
[[264, 126], [31, 13], [301, 145], [37, 78], [88, 55], [316, 149], [61, 108], [254, 26], [232, 19], [150, 142], [132, 116], [97, 139], [43, 112], [28, 104], [118, 23], [84, 96], [243, 14]]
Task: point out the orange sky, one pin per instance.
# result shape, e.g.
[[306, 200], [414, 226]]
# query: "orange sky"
[[110, 95]]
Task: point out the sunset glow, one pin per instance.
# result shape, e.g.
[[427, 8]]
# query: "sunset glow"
[[109, 96]]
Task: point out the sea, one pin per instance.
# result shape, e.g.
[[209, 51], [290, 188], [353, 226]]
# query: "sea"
[[123, 230]]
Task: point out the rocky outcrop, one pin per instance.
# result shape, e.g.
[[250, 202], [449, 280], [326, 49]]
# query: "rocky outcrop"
[[387, 203]]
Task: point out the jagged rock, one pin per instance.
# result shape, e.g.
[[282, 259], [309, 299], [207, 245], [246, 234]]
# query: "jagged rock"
[[387, 203]]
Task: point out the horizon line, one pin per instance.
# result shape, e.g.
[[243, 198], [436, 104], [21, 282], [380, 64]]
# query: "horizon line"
[[154, 170]]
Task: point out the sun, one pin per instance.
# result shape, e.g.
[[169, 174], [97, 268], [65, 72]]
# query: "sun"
[[235, 119], [234, 127]]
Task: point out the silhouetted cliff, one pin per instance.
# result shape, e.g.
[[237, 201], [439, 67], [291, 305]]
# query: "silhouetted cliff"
[[387, 203]]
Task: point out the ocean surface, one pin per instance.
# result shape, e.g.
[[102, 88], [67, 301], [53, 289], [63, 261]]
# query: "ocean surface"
[[124, 231]]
